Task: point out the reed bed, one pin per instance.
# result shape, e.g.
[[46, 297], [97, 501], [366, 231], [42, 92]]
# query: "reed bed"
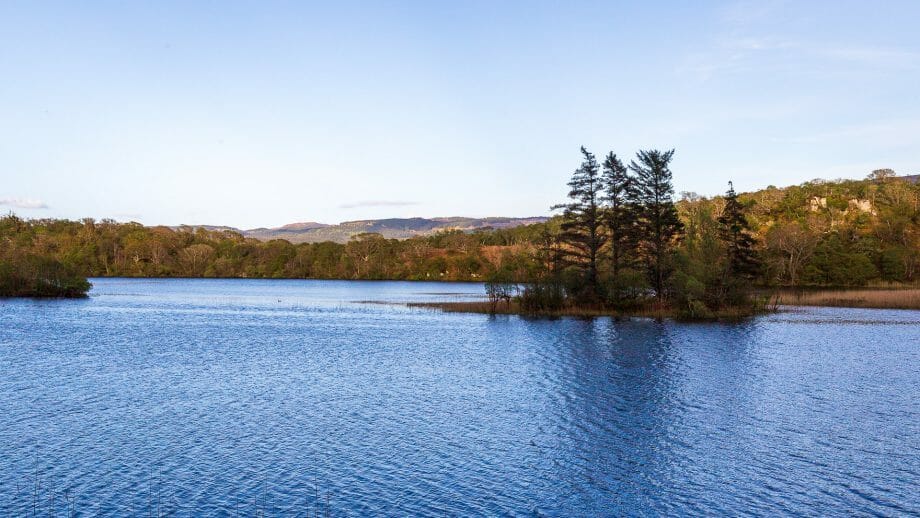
[[908, 298], [876, 298]]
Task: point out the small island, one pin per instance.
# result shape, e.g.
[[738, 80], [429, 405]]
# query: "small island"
[[622, 249]]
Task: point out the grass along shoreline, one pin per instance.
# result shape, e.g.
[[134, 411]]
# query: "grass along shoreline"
[[868, 298]]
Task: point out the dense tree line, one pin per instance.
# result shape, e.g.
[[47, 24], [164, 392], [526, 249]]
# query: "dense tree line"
[[620, 239], [819, 233], [840, 233], [107, 248]]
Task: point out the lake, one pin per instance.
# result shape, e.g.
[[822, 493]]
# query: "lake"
[[224, 397]]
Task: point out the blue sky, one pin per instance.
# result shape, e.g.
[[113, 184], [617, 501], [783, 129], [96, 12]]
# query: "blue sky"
[[264, 113]]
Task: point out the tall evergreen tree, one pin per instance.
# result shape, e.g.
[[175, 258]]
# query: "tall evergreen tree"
[[621, 216], [735, 232], [582, 226], [659, 221]]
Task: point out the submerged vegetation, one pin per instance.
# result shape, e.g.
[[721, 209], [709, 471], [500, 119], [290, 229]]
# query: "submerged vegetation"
[[622, 243]]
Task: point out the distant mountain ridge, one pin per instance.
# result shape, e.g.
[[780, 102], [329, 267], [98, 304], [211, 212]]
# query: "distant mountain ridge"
[[391, 228]]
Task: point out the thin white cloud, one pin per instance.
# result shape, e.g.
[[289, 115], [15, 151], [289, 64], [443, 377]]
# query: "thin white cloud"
[[23, 203], [732, 54], [745, 40], [740, 54], [377, 203]]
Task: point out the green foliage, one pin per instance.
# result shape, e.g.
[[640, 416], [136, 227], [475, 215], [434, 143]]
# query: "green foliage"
[[105, 248], [659, 224], [869, 230], [894, 262], [626, 289], [622, 222], [583, 226], [542, 296], [735, 233], [835, 264], [701, 263], [34, 276]]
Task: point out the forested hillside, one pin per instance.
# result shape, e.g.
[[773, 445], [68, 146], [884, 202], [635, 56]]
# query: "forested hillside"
[[107, 248], [847, 232], [827, 233]]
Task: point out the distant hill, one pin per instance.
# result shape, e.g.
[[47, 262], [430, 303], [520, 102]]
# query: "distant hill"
[[209, 228], [306, 225], [392, 228]]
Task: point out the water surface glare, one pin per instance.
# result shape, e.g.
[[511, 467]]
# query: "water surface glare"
[[216, 397]]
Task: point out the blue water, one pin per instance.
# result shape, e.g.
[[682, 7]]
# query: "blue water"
[[218, 397]]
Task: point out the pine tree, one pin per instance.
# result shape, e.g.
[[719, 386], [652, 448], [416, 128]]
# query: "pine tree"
[[621, 216], [582, 226], [735, 232], [659, 222]]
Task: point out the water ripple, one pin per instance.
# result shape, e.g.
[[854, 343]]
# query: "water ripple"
[[179, 397]]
